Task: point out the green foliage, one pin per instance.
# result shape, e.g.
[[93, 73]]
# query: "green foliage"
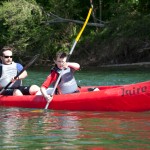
[[62, 34], [20, 23], [125, 39], [26, 24], [144, 6]]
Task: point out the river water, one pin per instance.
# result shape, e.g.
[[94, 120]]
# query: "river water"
[[77, 130]]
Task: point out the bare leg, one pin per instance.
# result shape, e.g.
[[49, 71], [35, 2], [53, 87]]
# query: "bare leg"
[[17, 92], [34, 89], [49, 91]]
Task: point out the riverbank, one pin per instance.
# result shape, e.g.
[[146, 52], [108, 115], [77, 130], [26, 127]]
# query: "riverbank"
[[131, 66], [140, 65]]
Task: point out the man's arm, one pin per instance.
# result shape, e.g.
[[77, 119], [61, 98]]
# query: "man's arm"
[[24, 74]]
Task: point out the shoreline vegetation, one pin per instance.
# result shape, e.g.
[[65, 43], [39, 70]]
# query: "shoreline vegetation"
[[117, 34], [126, 66], [142, 65]]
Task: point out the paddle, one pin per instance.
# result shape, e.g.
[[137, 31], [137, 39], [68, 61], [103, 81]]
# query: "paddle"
[[28, 65], [71, 51]]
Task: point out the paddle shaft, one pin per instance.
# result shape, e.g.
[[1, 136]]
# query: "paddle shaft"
[[71, 51], [28, 65]]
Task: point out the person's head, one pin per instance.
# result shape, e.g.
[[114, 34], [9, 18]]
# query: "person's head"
[[6, 55], [60, 59]]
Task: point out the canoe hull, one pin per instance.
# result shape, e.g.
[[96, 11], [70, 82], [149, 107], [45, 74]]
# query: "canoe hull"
[[132, 97]]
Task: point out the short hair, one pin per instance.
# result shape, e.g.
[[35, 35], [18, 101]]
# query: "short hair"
[[5, 48], [61, 54]]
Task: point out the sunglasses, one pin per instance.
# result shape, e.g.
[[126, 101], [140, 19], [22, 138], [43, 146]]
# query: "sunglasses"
[[8, 56]]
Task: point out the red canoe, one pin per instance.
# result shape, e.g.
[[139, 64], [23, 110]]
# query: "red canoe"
[[131, 97]]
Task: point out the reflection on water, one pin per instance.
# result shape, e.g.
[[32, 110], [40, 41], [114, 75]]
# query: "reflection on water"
[[37, 129]]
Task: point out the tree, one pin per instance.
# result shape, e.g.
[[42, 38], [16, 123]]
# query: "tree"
[[19, 22]]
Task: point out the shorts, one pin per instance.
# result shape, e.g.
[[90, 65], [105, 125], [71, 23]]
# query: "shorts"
[[23, 89]]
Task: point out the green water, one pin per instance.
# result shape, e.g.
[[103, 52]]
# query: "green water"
[[77, 130], [94, 77]]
